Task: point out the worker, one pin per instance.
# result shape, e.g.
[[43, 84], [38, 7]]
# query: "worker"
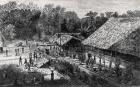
[[30, 61], [40, 54], [22, 49], [52, 75], [16, 51], [25, 62], [28, 64], [35, 56], [6, 52], [20, 60], [30, 55]]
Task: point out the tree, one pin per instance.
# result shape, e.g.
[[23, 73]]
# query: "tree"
[[115, 14], [92, 14], [22, 6], [24, 21], [32, 6], [135, 13], [64, 26], [91, 19], [70, 21], [48, 9], [52, 17], [124, 15], [100, 20], [9, 32], [9, 6], [71, 15], [88, 24], [108, 14], [102, 15]]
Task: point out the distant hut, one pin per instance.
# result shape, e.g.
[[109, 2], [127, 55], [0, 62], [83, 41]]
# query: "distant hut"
[[68, 42]]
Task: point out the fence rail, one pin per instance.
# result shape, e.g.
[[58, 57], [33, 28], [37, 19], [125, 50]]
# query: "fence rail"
[[11, 61]]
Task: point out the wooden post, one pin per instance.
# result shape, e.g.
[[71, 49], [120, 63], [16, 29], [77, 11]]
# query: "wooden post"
[[60, 42], [110, 63], [100, 60], [94, 59], [104, 61]]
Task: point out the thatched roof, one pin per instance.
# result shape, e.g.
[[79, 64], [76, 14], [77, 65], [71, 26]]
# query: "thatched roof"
[[114, 30], [53, 38], [129, 45], [64, 39]]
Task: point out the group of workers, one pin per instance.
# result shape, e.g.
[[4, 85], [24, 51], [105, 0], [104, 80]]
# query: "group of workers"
[[32, 57], [17, 51]]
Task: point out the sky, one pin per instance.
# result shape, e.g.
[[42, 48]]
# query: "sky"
[[81, 7]]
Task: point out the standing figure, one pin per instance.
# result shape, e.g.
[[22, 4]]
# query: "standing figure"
[[74, 56], [20, 61], [22, 49], [31, 61], [35, 56], [25, 61], [47, 51], [6, 52], [28, 64], [89, 58], [40, 54], [52, 75], [18, 51], [29, 46], [30, 55]]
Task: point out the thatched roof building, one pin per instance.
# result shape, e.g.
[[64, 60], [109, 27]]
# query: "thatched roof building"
[[114, 30], [117, 34], [64, 39]]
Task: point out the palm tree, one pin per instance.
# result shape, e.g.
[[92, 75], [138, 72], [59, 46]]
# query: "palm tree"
[[88, 25], [92, 14]]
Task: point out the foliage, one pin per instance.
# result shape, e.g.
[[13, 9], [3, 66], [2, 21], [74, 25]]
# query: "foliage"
[[13, 74], [23, 21], [9, 32], [70, 22]]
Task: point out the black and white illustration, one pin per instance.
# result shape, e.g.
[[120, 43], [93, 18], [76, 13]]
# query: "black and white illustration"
[[69, 43]]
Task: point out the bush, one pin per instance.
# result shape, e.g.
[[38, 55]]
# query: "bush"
[[15, 75]]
